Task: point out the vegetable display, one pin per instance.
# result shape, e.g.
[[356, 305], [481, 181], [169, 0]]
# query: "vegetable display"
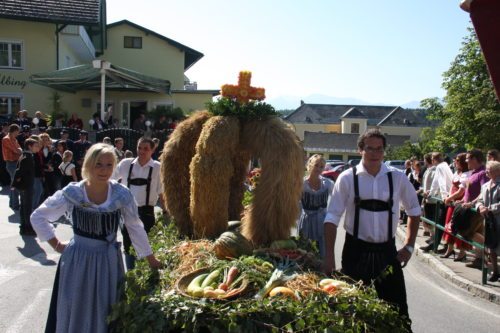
[[262, 292]]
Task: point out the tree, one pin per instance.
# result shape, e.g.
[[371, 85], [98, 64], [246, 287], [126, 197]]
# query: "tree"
[[471, 113]]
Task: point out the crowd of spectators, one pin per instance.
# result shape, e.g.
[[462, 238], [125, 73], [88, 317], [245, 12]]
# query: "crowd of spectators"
[[46, 164], [460, 195]]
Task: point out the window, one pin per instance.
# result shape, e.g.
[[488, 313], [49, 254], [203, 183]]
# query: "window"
[[11, 54], [132, 42], [355, 128], [9, 105]]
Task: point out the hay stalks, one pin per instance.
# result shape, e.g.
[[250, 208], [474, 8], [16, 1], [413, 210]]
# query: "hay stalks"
[[275, 206], [211, 171], [176, 157]]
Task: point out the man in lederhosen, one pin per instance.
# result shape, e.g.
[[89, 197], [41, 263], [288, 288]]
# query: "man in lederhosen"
[[142, 176], [370, 195]]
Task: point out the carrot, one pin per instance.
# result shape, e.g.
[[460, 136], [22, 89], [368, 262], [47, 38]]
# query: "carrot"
[[231, 275], [223, 286]]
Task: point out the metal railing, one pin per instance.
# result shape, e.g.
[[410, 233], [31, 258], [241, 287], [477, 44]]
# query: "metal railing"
[[437, 241]]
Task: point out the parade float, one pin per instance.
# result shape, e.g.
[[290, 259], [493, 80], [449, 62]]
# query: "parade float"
[[230, 264]]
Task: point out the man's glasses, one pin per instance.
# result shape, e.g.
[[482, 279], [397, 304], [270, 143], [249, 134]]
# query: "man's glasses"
[[374, 150]]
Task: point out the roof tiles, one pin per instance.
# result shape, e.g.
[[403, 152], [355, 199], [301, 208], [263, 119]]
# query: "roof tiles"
[[58, 11]]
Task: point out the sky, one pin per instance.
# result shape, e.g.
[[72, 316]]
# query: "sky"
[[379, 52]]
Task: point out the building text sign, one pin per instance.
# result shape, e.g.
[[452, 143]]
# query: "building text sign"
[[9, 81]]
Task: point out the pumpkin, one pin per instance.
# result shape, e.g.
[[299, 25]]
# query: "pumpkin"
[[232, 244], [283, 292]]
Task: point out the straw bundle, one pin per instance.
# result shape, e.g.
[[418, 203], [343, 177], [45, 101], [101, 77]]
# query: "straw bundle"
[[241, 162], [275, 206], [211, 171], [176, 157]]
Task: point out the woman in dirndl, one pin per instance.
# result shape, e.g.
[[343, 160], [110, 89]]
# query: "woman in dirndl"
[[90, 270], [315, 194]]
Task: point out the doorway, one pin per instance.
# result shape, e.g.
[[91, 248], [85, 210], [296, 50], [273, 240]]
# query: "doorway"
[[137, 108]]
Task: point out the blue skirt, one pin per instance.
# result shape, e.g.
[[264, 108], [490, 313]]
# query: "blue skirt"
[[88, 278], [310, 226]]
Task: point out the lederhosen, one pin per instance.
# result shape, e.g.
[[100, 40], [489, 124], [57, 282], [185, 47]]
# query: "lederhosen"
[[146, 212], [367, 262]]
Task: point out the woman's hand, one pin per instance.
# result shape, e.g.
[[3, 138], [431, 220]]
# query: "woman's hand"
[[153, 262]]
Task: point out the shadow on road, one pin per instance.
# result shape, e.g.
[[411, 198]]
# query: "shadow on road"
[[32, 250]]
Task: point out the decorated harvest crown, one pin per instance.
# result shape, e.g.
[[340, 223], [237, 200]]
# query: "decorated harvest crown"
[[242, 100]]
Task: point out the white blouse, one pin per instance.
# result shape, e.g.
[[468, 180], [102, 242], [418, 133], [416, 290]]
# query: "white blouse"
[[57, 205]]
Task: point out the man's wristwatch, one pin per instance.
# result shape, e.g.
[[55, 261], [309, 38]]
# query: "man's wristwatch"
[[409, 248]]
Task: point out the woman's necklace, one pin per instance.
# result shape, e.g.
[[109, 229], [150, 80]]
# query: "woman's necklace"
[[314, 184]]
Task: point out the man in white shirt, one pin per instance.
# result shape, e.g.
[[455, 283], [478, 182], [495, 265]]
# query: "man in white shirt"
[[142, 176], [440, 188], [370, 195]]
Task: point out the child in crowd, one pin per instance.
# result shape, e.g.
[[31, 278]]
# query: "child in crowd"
[[67, 169]]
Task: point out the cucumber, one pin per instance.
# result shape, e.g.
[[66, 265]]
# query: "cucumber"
[[210, 278], [195, 283]]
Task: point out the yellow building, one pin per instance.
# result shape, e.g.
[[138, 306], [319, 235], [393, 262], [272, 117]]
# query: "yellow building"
[[332, 129], [45, 43]]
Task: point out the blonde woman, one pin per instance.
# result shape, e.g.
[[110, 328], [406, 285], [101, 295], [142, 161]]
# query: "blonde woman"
[[90, 269], [67, 168], [315, 194]]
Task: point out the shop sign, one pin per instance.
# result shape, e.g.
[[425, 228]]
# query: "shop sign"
[[7, 80]]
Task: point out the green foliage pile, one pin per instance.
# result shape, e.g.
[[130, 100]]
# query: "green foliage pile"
[[248, 111], [150, 304]]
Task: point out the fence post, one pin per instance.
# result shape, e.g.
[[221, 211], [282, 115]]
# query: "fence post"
[[435, 245]]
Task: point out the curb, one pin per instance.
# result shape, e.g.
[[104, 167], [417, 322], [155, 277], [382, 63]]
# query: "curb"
[[447, 273]]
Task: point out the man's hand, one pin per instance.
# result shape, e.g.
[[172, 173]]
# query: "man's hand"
[[153, 262], [483, 210], [403, 256], [328, 266]]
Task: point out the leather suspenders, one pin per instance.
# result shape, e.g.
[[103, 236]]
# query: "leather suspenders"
[[358, 204], [141, 181]]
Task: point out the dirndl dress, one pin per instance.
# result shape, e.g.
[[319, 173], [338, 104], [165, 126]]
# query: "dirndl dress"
[[90, 270], [314, 204]]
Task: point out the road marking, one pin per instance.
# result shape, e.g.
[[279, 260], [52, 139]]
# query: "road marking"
[[27, 314], [7, 274], [422, 277], [41, 259]]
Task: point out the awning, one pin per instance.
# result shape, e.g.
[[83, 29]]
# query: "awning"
[[485, 15], [86, 77]]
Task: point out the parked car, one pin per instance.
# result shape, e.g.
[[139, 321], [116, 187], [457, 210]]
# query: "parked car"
[[334, 173], [398, 164], [353, 162], [330, 164]]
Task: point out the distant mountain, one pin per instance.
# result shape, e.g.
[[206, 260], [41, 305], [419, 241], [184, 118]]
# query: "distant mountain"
[[293, 102], [411, 105]]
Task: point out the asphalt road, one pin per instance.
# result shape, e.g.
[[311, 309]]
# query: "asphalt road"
[[27, 270]]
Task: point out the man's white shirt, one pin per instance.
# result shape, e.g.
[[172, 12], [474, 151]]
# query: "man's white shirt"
[[372, 225], [441, 183], [138, 171]]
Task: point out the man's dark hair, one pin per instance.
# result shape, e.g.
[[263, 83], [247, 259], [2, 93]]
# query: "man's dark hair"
[[438, 157], [494, 153], [29, 142], [371, 133], [147, 140], [428, 158], [477, 154], [13, 128], [62, 143]]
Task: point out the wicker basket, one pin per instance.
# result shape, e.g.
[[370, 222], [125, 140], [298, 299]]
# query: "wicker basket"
[[183, 282]]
